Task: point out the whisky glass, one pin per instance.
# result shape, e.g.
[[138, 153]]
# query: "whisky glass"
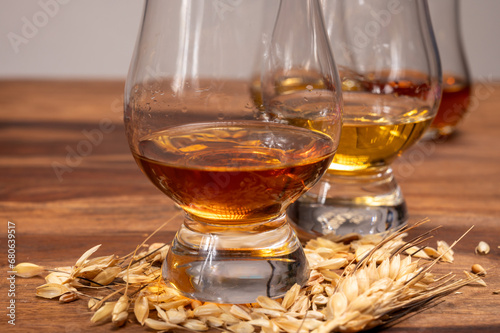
[[391, 81], [456, 78], [208, 125]]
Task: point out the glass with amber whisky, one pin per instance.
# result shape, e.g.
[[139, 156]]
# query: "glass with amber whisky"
[[456, 79], [196, 131], [391, 82]]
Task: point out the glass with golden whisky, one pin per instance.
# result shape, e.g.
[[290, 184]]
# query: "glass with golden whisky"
[[391, 82]]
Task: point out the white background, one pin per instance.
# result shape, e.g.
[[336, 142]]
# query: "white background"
[[95, 38]]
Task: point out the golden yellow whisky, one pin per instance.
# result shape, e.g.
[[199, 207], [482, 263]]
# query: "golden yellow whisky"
[[374, 134], [368, 144]]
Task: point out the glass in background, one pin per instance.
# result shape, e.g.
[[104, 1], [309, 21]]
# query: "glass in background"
[[445, 15], [391, 80]]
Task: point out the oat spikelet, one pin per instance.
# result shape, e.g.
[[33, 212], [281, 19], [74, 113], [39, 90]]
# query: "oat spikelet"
[[290, 296], [445, 251], [195, 325], [104, 313], [92, 303], [141, 308], [106, 276], [209, 309], [27, 270], [270, 304], [160, 325], [336, 306], [52, 290], [56, 277], [482, 248], [120, 311], [238, 312], [86, 255], [475, 279], [242, 327]]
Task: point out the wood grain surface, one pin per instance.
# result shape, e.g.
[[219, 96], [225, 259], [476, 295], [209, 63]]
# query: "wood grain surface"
[[69, 182]]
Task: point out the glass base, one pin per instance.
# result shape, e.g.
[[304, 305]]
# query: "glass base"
[[316, 220], [236, 263], [434, 133], [340, 205]]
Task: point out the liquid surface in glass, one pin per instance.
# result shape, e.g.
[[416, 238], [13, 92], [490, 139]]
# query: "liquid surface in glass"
[[454, 102], [234, 172]]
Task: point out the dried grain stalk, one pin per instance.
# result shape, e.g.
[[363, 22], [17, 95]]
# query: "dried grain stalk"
[[356, 283]]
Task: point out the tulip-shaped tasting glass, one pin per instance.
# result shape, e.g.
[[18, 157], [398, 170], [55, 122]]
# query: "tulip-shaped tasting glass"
[[390, 72], [456, 79], [197, 134]]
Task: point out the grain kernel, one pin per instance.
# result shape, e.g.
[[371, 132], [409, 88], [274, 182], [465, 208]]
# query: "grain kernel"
[[27, 270], [68, 297], [478, 269]]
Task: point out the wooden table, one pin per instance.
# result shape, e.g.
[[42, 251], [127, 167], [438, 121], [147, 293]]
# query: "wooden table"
[[68, 182]]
